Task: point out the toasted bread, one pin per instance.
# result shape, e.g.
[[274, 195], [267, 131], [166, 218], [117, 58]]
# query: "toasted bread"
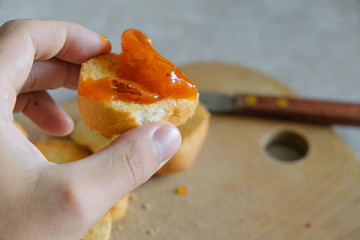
[[22, 130], [113, 118], [61, 151], [193, 134], [84, 136], [119, 209], [100, 230]]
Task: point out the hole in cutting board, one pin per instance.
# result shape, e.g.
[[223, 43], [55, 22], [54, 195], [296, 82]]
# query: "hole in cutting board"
[[287, 146]]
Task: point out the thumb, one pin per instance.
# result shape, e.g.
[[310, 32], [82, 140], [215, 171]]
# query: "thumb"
[[101, 179]]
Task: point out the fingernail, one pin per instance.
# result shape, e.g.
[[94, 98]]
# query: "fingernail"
[[167, 140], [107, 45], [104, 40]]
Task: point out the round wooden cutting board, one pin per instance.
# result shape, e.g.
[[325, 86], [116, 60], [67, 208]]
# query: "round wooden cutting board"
[[238, 187]]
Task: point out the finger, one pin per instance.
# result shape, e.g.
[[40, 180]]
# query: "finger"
[[52, 74], [23, 41], [129, 161], [44, 112]]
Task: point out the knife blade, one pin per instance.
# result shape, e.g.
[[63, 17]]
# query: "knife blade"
[[283, 108]]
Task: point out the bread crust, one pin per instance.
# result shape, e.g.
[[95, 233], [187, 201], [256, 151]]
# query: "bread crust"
[[118, 211], [85, 137], [193, 134], [115, 117], [61, 151], [22, 130], [101, 230]]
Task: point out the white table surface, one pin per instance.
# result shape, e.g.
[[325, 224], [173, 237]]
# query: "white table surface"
[[312, 46]]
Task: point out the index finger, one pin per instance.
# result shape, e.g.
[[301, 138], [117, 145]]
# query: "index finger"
[[23, 41]]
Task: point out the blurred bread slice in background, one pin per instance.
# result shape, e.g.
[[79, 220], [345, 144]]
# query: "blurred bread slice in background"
[[101, 230], [61, 151], [22, 130]]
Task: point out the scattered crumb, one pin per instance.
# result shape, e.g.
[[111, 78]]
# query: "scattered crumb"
[[132, 197], [146, 206], [308, 225], [137, 215], [131, 217], [169, 216], [182, 190], [150, 232], [119, 227]]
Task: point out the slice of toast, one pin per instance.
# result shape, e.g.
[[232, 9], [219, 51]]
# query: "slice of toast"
[[22, 130], [193, 134], [88, 138], [61, 151], [113, 118], [101, 230]]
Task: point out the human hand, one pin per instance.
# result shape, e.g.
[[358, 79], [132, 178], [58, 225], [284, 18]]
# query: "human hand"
[[42, 200]]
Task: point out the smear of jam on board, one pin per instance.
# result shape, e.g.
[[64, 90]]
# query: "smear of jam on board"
[[143, 76]]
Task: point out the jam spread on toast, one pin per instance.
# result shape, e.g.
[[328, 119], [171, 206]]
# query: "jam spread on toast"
[[143, 76]]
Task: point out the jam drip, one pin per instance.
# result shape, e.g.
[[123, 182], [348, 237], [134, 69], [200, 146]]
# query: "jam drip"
[[143, 76]]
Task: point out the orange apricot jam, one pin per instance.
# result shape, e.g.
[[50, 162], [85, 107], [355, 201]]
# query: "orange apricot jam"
[[143, 76], [182, 190]]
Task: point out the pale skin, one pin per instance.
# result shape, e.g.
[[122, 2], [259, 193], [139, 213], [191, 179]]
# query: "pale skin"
[[41, 200]]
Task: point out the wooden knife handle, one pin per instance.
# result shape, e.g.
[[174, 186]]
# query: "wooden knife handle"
[[294, 109]]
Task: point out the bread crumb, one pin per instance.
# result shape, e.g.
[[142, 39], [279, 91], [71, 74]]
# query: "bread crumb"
[[146, 206], [308, 225], [169, 216], [150, 232], [132, 197], [119, 227], [182, 190], [137, 215]]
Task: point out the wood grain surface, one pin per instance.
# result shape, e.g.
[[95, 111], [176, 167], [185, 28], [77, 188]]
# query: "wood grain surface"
[[236, 190]]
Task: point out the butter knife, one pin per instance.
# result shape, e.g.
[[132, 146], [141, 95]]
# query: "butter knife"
[[283, 108]]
